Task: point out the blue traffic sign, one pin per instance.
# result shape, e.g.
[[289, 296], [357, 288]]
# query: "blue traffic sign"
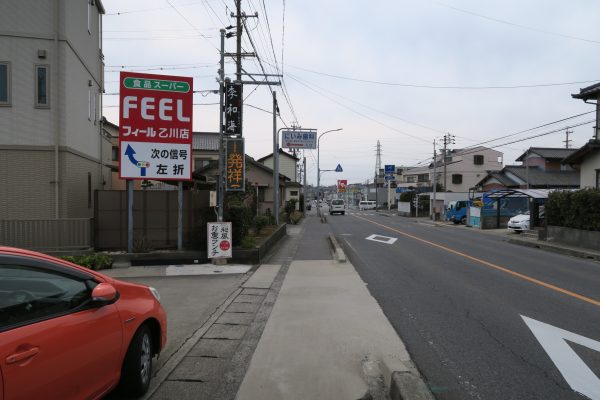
[[339, 168], [390, 169]]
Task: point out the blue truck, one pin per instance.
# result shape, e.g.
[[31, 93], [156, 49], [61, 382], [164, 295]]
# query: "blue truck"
[[457, 211]]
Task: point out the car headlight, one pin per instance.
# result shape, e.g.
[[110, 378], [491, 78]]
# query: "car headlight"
[[154, 293]]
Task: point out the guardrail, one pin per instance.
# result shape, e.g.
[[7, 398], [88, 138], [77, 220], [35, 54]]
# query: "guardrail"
[[47, 234]]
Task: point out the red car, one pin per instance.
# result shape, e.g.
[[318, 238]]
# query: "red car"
[[67, 332]]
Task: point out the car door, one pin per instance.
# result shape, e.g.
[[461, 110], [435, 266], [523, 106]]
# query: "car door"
[[53, 342]]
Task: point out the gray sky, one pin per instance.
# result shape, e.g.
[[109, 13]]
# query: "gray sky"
[[402, 72]]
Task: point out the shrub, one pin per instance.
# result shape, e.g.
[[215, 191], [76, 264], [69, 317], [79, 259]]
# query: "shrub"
[[578, 210], [260, 221], [295, 217], [92, 261], [248, 242], [241, 219]]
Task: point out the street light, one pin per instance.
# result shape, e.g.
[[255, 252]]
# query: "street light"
[[319, 170]]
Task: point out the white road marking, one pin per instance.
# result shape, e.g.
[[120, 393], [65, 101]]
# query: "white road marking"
[[382, 239], [577, 374]]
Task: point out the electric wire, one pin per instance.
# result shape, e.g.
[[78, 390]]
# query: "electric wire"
[[411, 85], [515, 24]]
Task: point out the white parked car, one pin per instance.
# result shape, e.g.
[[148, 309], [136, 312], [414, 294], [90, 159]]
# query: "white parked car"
[[366, 205], [519, 223]]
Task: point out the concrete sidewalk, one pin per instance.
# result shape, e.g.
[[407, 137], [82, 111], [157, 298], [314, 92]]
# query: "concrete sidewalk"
[[324, 329]]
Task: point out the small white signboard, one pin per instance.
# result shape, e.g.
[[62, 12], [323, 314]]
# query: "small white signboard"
[[219, 240], [299, 139]]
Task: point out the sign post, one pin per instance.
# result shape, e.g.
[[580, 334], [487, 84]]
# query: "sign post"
[[155, 133], [389, 175]]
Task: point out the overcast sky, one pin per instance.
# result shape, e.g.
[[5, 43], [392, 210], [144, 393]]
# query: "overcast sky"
[[401, 72]]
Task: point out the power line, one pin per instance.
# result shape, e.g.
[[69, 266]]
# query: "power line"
[[356, 112], [412, 85], [147, 9], [532, 129], [189, 23], [501, 21], [375, 109]]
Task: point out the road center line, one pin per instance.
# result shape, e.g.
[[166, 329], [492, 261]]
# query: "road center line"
[[491, 265]]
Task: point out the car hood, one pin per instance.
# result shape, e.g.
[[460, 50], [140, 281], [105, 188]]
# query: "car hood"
[[520, 218]]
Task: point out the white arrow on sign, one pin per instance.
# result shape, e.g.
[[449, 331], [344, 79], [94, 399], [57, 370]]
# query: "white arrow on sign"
[[577, 374]]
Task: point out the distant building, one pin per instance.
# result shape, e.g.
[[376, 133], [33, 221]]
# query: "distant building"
[[288, 166], [53, 153], [541, 168], [464, 169]]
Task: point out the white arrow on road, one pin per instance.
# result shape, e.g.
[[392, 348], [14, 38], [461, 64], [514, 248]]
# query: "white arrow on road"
[[577, 374]]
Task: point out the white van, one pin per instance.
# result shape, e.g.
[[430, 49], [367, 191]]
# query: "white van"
[[337, 206], [366, 205]]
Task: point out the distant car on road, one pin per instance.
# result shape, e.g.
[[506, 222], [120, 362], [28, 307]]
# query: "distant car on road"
[[366, 205], [68, 333], [337, 206], [519, 223]]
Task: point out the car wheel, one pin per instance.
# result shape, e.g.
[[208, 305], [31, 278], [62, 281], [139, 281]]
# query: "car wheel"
[[343, 212], [463, 221], [137, 367]]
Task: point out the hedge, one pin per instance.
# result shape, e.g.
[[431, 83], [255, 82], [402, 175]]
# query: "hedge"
[[578, 209]]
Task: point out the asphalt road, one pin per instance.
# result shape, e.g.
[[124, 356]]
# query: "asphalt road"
[[467, 303]]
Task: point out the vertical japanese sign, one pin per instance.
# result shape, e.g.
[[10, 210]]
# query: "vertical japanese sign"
[[219, 240], [235, 165], [233, 109], [341, 185], [155, 127]]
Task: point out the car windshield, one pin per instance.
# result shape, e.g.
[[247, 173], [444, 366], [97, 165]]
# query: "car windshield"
[[337, 202]]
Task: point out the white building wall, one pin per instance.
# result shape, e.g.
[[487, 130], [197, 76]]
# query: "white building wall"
[[287, 166], [588, 170]]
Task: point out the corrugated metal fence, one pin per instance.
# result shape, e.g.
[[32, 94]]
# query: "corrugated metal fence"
[[47, 234]]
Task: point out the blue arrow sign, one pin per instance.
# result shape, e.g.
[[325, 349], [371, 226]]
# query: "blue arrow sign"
[[129, 152], [339, 168]]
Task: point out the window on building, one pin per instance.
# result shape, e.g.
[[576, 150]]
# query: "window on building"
[[423, 178], [293, 193], [261, 194], [478, 159], [42, 86], [115, 153], [4, 83], [456, 179]]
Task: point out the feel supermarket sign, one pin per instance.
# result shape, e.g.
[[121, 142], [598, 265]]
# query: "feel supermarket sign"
[[155, 127]]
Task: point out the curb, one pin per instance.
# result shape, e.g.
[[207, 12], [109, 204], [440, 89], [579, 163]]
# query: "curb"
[[555, 249], [340, 256]]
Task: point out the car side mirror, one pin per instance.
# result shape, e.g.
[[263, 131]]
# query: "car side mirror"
[[104, 294]]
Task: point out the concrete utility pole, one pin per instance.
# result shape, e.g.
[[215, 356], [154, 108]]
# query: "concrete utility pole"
[[567, 140], [448, 139], [238, 5], [434, 180], [220, 186], [377, 168], [275, 161]]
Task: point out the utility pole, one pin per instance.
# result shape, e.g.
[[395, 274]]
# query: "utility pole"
[[377, 168], [448, 139], [238, 5], [221, 175], [567, 140], [434, 180]]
